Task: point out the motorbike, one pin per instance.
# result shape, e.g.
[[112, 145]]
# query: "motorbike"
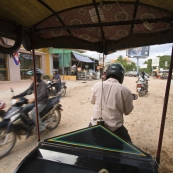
[[140, 88], [2, 112], [52, 90], [15, 122]]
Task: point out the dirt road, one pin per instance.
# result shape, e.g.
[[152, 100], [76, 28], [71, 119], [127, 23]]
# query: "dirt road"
[[143, 123]]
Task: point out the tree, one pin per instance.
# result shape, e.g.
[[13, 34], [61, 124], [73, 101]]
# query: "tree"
[[124, 63], [149, 67], [162, 61]]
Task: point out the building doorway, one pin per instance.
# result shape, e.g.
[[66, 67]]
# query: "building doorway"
[[55, 62]]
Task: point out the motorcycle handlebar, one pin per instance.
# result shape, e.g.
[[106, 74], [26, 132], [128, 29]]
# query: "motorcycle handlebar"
[[19, 101]]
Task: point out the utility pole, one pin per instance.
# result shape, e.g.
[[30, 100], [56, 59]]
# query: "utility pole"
[[137, 64], [63, 62], [94, 65]]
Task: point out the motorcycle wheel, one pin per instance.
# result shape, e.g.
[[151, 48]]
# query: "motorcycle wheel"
[[9, 144], [63, 92], [54, 119], [140, 94]]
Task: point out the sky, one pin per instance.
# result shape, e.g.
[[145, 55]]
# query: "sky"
[[155, 50]]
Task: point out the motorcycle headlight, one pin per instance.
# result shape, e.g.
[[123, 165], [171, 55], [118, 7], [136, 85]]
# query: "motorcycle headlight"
[[13, 101], [14, 117]]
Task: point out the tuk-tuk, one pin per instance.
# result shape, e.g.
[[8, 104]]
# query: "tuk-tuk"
[[104, 26]]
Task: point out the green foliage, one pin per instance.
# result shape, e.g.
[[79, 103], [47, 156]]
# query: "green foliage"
[[162, 61], [124, 63], [149, 67]]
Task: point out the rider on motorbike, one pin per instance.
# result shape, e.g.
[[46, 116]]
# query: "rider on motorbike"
[[57, 80], [42, 97], [143, 78]]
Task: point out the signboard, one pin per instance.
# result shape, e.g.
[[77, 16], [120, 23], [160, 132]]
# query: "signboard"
[[166, 63], [143, 66], [139, 52], [155, 62], [161, 69]]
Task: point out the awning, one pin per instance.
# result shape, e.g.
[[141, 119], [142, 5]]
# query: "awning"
[[82, 58]]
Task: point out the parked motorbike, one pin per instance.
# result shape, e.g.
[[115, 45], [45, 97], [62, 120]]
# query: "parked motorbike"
[[15, 122], [52, 90], [164, 76], [140, 88]]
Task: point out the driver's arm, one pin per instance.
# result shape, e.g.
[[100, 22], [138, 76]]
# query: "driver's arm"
[[92, 100], [25, 92], [128, 102]]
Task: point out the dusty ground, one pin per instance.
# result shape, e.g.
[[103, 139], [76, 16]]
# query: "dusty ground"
[[143, 123]]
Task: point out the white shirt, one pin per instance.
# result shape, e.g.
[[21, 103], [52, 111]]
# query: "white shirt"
[[143, 80], [116, 101], [73, 67]]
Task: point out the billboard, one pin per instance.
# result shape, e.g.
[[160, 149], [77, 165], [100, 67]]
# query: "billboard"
[[143, 66], [141, 52]]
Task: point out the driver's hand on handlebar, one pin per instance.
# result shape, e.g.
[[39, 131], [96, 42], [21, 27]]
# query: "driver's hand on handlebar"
[[31, 100], [14, 97]]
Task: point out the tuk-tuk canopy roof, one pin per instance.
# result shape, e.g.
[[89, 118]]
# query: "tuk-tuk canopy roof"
[[97, 25]]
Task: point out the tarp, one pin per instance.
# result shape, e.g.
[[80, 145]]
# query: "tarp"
[[82, 58]]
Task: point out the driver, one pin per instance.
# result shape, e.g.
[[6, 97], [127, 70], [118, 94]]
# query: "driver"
[[113, 101], [42, 97], [143, 78]]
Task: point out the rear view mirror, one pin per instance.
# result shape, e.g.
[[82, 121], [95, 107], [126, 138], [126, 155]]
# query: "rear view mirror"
[[29, 92], [135, 97]]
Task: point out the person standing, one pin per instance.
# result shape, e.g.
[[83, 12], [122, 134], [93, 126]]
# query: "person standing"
[[74, 69]]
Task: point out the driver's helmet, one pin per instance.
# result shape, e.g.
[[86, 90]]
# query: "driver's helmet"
[[116, 70], [55, 70], [38, 72], [143, 73]]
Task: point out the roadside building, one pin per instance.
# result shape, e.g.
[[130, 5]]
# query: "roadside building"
[[64, 59], [13, 70]]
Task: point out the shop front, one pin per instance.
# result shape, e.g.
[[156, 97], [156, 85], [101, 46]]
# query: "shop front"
[[64, 59], [27, 63], [14, 67]]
